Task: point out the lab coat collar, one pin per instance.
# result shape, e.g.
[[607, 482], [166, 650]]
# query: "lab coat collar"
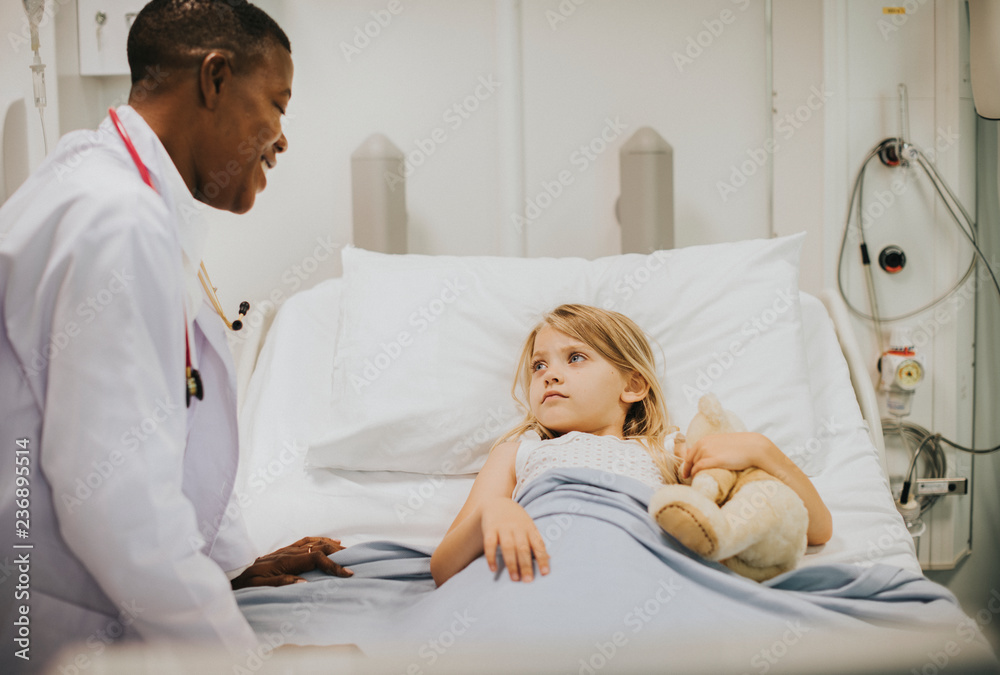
[[191, 226]]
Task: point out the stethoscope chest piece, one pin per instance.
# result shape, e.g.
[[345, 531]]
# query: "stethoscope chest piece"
[[194, 387]]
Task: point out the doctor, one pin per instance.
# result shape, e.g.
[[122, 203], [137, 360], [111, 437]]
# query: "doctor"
[[113, 490]]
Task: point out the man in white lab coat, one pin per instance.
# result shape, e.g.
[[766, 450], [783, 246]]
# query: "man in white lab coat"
[[114, 492]]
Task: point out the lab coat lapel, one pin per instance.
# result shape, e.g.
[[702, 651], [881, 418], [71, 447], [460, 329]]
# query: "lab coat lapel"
[[210, 324]]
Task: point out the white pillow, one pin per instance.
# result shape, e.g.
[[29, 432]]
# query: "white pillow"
[[427, 346]]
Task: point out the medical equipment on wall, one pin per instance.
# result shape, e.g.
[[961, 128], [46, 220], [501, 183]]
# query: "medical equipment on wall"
[[195, 388], [35, 9], [378, 195], [901, 370], [645, 207], [102, 35], [901, 366]]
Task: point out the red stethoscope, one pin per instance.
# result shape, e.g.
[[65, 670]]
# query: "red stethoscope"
[[193, 378]]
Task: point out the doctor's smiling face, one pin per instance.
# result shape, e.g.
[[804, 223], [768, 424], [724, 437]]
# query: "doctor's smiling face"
[[245, 137], [213, 80]]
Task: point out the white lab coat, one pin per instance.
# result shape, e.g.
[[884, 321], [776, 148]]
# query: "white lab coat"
[[128, 487]]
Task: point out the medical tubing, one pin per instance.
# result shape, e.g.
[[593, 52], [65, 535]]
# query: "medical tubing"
[[855, 197], [935, 457], [866, 261], [45, 138], [950, 202]]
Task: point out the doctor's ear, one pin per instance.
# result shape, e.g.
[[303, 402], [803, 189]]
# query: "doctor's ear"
[[215, 71], [636, 388]]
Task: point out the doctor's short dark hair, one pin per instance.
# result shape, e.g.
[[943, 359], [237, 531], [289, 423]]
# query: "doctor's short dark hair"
[[172, 34]]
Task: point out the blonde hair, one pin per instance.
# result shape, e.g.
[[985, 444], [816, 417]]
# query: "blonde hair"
[[623, 344]]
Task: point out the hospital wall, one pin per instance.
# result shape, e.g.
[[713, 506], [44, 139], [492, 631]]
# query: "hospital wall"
[[752, 157], [430, 79], [20, 127]]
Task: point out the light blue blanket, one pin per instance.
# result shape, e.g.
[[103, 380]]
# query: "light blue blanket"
[[615, 577]]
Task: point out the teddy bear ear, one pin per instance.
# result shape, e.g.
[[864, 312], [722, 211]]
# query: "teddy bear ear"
[[735, 423], [709, 405]]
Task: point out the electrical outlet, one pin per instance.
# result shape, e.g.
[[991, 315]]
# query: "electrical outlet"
[[942, 486]]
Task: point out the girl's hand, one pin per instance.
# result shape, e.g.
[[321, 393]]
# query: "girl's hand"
[[735, 451], [507, 525]]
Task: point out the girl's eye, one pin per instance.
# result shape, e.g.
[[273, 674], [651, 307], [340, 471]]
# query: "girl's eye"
[[536, 366], [576, 358]]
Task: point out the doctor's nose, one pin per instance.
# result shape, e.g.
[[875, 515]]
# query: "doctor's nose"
[[281, 144]]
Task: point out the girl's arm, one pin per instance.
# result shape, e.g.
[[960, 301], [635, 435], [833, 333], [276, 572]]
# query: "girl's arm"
[[490, 518], [738, 451]]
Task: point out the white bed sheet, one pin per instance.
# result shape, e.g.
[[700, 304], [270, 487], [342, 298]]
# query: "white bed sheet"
[[283, 498]]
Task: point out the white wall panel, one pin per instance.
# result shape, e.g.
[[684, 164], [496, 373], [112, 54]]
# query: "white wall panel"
[[694, 71]]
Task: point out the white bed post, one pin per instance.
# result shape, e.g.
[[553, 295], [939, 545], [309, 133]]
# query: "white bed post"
[[378, 196], [645, 207], [513, 239]]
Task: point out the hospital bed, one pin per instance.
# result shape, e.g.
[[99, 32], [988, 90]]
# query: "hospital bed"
[[318, 423]]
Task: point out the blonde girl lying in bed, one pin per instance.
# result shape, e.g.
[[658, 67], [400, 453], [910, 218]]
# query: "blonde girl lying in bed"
[[594, 401]]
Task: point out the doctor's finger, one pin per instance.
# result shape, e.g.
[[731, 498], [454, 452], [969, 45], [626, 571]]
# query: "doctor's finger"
[[279, 580], [326, 565], [316, 543]]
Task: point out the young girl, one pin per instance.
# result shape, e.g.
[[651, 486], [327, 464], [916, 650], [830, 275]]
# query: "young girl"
[[594, 400]]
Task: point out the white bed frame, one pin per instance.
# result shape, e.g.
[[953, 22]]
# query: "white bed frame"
[[860, 377]]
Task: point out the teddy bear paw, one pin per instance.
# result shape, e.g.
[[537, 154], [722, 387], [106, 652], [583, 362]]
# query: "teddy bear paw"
[[683, 513]]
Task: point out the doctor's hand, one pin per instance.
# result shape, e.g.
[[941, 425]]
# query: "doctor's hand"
[[282, 567]]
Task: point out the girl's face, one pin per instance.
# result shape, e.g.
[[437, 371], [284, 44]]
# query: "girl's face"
[[574, 388]]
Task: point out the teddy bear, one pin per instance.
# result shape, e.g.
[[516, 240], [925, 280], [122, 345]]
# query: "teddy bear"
[[748, 520]]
